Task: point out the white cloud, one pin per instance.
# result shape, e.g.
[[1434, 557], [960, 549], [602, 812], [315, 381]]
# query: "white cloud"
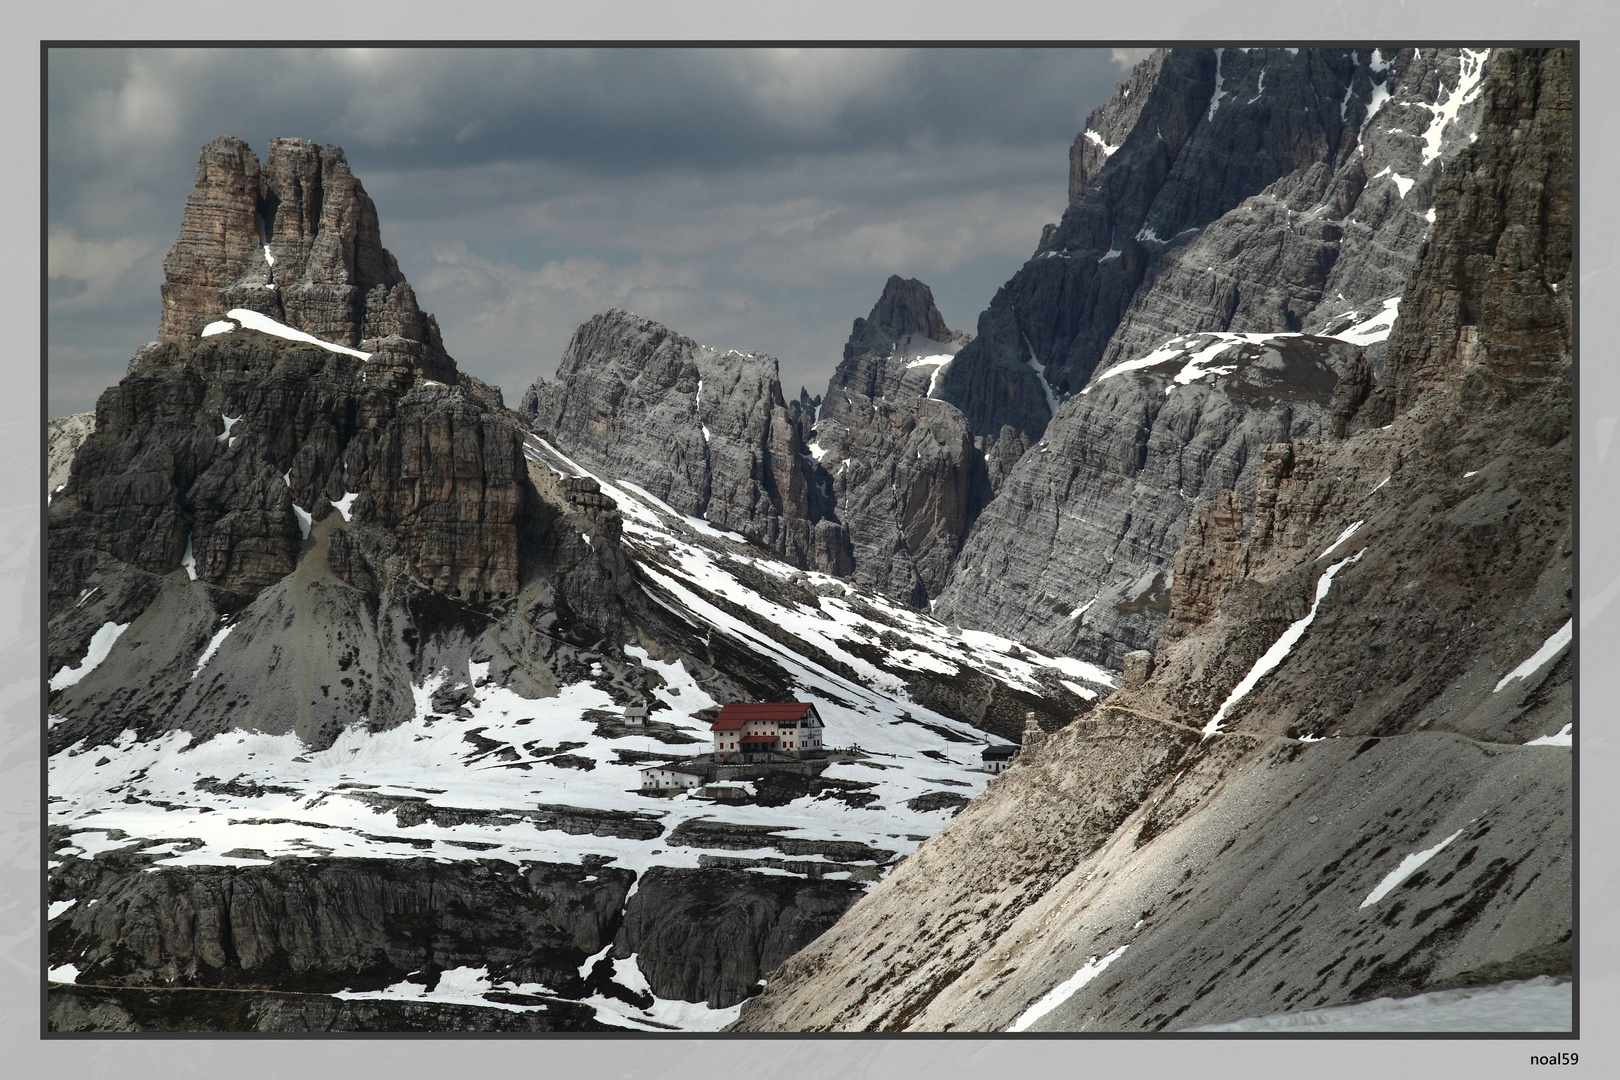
[[1125, 59]]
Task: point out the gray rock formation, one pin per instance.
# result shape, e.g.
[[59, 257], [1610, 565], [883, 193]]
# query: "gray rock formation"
[[902, 470], [321, 925], [1231, 839], [1231, 189], [63, 437], [712, 934], [707, 432], [1075, 552], [907, 482], [1203, 201], [874, 481]]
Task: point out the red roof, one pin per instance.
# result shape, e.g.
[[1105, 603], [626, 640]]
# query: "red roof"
[[733, 717]]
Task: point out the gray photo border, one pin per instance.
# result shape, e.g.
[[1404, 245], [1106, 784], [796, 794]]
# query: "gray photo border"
[[27, 1054]]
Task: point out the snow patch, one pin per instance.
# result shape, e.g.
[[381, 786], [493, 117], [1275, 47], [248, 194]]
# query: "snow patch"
[[189, 560], [1220, 90], [1408, 866], [66, 973], [1108, 151], [1065, 990], [213, 646], [1196, 352], [1470, 72], [1554, 645], [252, 320], [220, 327], [343, 505], [1564, 737], [1402, 184], [1375, 328], [1076, 688], [101, 644], [1280, 648], [1541, 1004], [304, 520], [230, 422], [1347, 534], [1052, 400]]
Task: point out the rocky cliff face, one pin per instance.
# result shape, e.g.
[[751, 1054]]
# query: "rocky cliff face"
[[898, 349], [1279, 194], [874, 481], [1348, 775]]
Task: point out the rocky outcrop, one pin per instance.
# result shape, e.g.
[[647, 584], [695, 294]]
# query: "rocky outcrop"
[[901, 470], [1491, 302], [1169, 234], [84, 1009], [874, 481], [1346, 775], [297, 240], [705, 431], [907, 481]]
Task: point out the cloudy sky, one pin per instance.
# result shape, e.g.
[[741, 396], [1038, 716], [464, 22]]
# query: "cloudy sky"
[[751, 199]]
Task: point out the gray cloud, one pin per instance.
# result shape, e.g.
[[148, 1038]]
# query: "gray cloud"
[[749, 198]]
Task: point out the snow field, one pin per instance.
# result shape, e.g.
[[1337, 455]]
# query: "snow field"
[[1539, 1004]]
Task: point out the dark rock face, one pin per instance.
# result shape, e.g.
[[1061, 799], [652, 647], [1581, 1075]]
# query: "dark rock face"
[[907, 481], [707, 432], [323, 925], [1254, 869], [1075, 552], [80, 1009], [298, 241], [712, 934], [1277, 206]]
